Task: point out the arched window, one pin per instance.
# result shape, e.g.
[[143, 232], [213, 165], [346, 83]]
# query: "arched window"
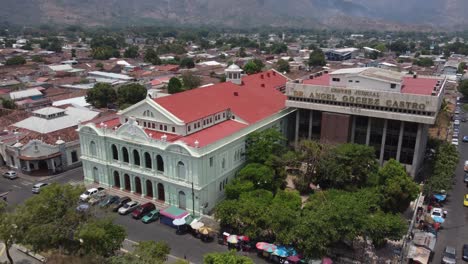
[[181, 170], [223, 164], [125, 155], [148, 160], [92, 148], [136, 157], [220, 186], [115, 152], [159, 163]]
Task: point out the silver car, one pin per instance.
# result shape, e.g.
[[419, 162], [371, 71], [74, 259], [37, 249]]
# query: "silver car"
[[38, 186], [449, 256], [10, 175]]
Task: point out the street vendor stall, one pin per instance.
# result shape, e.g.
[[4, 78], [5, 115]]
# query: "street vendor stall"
[[170, 214], [419, 255]]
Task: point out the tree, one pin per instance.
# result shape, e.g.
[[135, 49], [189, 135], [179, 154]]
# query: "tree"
[[187, 63], [262, 145], [263, 177], [8, 104], [130, 94], [461, 67], [49, 220], [226, 258], [101, 95], [101, 237], [236, 187], [27, 46], [284, 212], [131, 52], [241, 53], [55, 45], [424, 62], [8, 230], [104, 53], [150, 252], [348, 166], [190, 81], [381, 227], [16, 60], [445, 163], [73, 53], [99, 65], [399, 46], [282, 66], [152, 57], [37, 58], [463, 87], [253, 66], [317, 58], [174, 86], [397, 188]]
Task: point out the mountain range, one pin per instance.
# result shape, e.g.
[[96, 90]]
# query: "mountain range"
[[354, 14]]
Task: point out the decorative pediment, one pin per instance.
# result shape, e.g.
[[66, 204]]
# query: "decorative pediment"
[[88, 130], [132, 131], [37, 148], [177, 148], [149, 110]]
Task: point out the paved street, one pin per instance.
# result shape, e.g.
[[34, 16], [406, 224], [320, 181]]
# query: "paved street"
[[455, 230], [186, 245], [18, 256]]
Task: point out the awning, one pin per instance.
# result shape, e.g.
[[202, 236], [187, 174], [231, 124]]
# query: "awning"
[[419, 254], [425, 239], [173, 212], [58, 154]]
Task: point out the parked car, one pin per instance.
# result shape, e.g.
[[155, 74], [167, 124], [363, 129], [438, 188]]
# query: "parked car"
[[463, 119], [465, 252], [128, 207], [150, 217], [465, 139], [10, 175], [436, 212], [449, 256], [120, 203], [142, 210], [86, 195], [38, 186], [455, 135], [111, 199], [466, 178], [82, 208], [98, 197], [465, 201], [455, 141], [465, 167]]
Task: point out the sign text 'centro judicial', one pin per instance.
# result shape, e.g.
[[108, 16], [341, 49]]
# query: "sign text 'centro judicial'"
[[360, 97]]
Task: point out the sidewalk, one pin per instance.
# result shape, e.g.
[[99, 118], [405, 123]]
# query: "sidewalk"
[[19, 256]]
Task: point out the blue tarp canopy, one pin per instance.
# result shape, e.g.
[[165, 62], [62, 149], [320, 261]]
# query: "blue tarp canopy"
[[440, 197]]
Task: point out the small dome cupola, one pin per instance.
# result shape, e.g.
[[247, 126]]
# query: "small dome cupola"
[[233, 74]]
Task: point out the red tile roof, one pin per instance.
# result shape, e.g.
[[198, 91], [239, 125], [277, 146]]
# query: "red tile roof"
[[213, 134], [253, 101], [419, 85]]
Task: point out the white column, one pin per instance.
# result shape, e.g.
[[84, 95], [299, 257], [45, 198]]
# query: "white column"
[[400, 140], [369, 125], [416, 151], [382, 145], [296, 135], [353, 128], [311, 119]]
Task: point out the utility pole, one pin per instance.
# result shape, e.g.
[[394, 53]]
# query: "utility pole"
[[193, 201]]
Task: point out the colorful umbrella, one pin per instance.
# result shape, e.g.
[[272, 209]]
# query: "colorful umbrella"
[[178, 222], [244, 238], [438, 219], [294, 259], [327, 261], [232, 239], [270, 248], [260, 245], [196, 225], [281, 252], [205, 230]]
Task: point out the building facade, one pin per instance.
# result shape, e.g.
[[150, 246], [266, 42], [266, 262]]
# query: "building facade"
[[183, 149], [384, 109]]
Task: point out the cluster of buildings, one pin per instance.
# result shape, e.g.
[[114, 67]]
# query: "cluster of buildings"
[[183, 149]]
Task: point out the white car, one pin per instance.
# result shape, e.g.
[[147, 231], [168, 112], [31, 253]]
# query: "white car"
[[86, 195], [10, 175], [455, 141], [38, 186], [436, 212], [128, 207]]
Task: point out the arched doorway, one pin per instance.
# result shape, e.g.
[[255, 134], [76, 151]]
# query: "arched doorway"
[[95, 175], [182, 200], [149, 188], [137, 185], [116, 179], [161, 196], [127, 182]]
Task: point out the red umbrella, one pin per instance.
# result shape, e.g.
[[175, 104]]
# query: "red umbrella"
[[260, 245], [294, 259], [244, 238], [327, 261]]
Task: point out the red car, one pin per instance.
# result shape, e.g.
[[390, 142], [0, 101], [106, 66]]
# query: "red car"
[[142, 210]]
